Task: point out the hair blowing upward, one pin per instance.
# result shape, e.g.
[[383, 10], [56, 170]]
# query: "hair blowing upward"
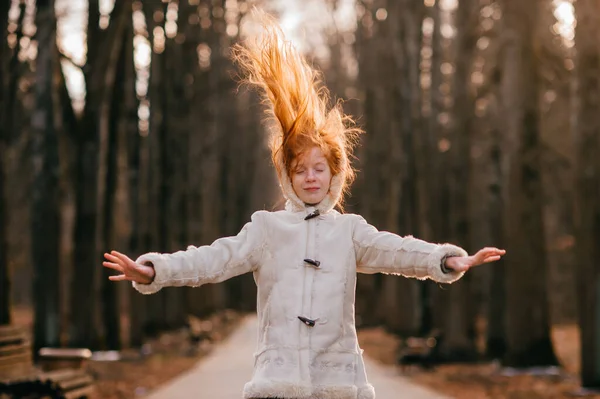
[[297, 99]]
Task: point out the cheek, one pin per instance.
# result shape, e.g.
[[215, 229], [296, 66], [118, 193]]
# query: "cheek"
[[296, 181], [326, 179]]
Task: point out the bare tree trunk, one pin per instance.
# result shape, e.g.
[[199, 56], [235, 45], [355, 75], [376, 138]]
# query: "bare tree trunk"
[[195, 152], [137, 156], [175, 165], [103, 51], [373, 44], [587, 175], [115, 134], [486, 199], [434, 199], [528, 325], [5, 286], [459, 323], [404, 295], [45, 202], [496, 315], [210, 167], [154, 319]]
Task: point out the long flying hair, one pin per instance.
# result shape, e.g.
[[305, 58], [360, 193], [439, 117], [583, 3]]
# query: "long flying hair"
[[298, 102]]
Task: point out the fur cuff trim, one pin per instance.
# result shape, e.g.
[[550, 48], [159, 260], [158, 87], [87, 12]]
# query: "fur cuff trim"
[[276, 389], [434, 263], [160, 268], [366, 392]]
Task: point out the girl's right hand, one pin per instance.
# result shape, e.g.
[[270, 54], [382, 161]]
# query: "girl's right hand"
[[141, 274]]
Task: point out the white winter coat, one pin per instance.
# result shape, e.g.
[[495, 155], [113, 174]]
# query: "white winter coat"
[[305, 271]]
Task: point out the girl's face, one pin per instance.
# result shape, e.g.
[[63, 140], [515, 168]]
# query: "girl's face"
[[311, 176]]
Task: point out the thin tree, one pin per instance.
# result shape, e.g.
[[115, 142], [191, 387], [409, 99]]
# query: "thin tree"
[[528, 324], [103, 50], [587, 189], [459, 322], [4, 270], [45, 210], [113, 225]]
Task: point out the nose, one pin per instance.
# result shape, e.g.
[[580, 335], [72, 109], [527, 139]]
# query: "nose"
[[310, 176]]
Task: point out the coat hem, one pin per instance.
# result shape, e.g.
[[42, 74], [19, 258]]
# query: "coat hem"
[[280, 389]]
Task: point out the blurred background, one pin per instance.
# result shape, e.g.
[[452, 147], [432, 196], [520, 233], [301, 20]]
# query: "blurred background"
[[122, 127]]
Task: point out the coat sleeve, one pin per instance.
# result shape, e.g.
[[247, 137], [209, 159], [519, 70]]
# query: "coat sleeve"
[[384, 252], [223, 259]]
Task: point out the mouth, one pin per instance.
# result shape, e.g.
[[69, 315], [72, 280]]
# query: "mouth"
[[312, 189]]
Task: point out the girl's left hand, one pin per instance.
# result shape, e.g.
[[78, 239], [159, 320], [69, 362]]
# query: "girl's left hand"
[[464, 263]]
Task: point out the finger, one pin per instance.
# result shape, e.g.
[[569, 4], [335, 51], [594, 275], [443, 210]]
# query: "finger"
[[492, 258], [113, 266], [124, 258], [488, 250], [120, 277], [114, 259], [497, 251]]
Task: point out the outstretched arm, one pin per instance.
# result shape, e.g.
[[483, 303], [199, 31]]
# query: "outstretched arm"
[[223, 259], [384, 252]]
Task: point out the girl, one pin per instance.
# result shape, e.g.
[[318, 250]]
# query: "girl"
[[304, 258]]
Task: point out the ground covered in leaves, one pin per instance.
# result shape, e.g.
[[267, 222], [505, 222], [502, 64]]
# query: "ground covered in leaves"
[[489, 380]]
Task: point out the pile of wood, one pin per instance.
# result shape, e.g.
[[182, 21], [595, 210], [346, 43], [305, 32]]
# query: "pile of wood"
[[62, 376]]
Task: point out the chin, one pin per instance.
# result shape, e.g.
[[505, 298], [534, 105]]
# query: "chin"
[[313, 201]]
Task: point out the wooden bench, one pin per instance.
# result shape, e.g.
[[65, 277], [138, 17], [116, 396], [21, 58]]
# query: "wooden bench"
[[62, 375], [60, 358]]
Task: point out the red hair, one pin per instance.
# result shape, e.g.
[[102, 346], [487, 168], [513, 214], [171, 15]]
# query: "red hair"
[[298, 101]]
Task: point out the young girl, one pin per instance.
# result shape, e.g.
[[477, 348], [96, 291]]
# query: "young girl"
[[304, 258]]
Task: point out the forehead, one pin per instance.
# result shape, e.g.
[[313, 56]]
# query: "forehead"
[[312, 156]]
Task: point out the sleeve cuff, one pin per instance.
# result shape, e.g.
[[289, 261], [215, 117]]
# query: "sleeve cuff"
[[160, 273], [435, 264]]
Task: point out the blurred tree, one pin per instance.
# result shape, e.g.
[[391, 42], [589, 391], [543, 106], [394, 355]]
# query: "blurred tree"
[[383, 152], [430, 198], [91, 167], [211, 164], [152, 155], [485, 200], [177, 65], [587, 189], [115, 124], [458, 315], [4, 268], [45, 209], [528, 324], [404, 295]]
